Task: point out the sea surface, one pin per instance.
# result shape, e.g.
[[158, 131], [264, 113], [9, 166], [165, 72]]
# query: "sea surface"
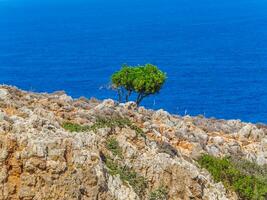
[[214, 52]]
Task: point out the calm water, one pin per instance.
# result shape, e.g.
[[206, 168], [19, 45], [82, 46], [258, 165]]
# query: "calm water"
[[215, 52]]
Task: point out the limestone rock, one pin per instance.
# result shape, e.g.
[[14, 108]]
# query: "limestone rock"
[[39, 159]]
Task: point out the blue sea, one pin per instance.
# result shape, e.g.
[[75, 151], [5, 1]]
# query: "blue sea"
[[214, 52]]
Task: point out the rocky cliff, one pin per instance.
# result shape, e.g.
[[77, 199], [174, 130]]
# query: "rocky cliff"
[[55, 147]]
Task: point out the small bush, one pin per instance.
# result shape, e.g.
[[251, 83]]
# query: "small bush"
[[72, 127], [113, 146], [112, 122], [159, 194], [250, 168], [230, 173], [137, 182]]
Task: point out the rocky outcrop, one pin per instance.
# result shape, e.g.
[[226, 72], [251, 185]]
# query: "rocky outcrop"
[[39, 159]]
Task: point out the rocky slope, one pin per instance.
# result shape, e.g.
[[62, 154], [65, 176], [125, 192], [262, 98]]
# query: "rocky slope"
[[119, 151]]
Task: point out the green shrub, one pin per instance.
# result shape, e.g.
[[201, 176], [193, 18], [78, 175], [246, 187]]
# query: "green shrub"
[[250, 168], [143, 80], [136, 181], [113, 146], [110, 122], [72, 127], [230, 173], [159, 194]]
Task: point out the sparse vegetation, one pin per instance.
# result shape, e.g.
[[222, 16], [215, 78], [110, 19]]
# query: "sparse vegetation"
[[245, 179], [136, 181], [142, 80], [159, 194], [250, 168], [73, 127], [113, 146], [102, 122], [110, 122], [138, 130]]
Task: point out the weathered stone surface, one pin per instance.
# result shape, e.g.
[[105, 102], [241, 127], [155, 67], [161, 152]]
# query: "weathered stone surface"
[[41, 160], [3, 93]]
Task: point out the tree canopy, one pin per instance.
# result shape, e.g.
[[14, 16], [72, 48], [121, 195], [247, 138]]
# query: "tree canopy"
[[142, 80]]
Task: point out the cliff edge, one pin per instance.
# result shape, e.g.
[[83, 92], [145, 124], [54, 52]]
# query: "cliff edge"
[[55, 147]]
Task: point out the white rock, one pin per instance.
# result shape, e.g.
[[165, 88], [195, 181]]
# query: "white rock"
[[218, 140], [245, 131], [65, 98], [3, 94], [130, 105], [213, 150], [261, 159]]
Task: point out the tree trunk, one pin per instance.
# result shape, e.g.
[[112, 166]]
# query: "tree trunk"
[[128, 95], [139, 99], [119, 96]]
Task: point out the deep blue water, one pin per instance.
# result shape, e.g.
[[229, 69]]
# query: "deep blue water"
[[215, 52]]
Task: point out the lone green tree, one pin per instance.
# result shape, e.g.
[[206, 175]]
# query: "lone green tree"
[[142, 80]]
